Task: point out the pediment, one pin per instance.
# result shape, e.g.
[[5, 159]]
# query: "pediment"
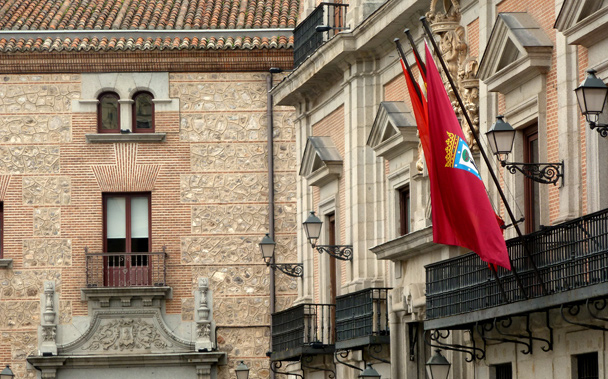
[[123, 332], [583, 22], [321, 162], [393, 131], [518, 50]]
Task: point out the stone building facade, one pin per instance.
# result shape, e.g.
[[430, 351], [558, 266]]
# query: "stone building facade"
[[362, 172], [199, 301]]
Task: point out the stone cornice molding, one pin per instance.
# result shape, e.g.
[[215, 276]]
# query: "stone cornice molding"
[[580, 28], [408, 246], [518, 50]]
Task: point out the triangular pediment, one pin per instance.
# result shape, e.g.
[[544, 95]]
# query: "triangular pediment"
[[583, 22], [321, 162], [393, 131], [518, 50]]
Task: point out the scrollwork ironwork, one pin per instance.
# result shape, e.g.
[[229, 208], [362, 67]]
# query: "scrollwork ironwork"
[[546, 173], [274, 366], [436, 335], [295, 270], [602, 129], [309, 358], [344, 354], [573, 310], [341, 252]]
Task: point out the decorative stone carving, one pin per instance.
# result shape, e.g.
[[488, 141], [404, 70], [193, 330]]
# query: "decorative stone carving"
[[220, 95], [127, 335], [249, 342], [47, 222], [46, 190], [37, 97], [462, 68], [219, 249], [221, 219], [222, 157], [47, 252], [242, 310], [48, 331], [204, 316], [49, 304], [19, 314], [226, 187], [35, 129], [49, 334], [29, 159], [26, 284]]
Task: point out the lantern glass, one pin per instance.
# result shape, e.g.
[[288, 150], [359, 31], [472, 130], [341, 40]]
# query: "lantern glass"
[[242, 371], [501, 136], [369, 373], [267, 246], [312, 227], [591, 96], [438, 367], [7, 373]]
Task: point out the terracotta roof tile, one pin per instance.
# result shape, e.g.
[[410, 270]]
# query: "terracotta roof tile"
[[41, 15]]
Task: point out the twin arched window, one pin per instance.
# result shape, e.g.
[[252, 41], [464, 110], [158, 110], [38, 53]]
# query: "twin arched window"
[[142, 111]]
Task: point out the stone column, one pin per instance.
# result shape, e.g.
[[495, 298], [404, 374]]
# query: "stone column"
[[48, 328]]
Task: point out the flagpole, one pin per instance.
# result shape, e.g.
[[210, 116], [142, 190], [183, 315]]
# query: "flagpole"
[[414, 49], [411, 75], [427, 29]]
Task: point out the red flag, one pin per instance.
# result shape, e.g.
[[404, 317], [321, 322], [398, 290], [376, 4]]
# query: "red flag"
[[462, 213]]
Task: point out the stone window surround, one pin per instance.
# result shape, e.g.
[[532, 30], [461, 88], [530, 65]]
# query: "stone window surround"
[[586, 32], [396, 180], [325, 208]]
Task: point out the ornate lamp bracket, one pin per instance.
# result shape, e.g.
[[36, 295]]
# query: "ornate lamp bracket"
[[546, 173], [341, 252], [295, 270]]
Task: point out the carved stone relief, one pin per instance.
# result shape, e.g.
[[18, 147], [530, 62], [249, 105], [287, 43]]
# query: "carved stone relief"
[[127, 334], [229, 157], [246, 218], [26, 284], [35, 129], [19, 314], [220, 95], [29, 159], [37, 97], [225, 187], [238, 342], [47, 252], [46, 190], [220, 249], [242, 310], [462, 67], [47, 222]]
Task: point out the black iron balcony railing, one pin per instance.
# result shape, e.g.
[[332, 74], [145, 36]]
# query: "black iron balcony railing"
[[305, 36], [362, 318], [306, 329], [126, 269], [569, 256]]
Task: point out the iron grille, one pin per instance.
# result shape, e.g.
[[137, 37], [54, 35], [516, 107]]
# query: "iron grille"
[[362, 313], [307, 39], [126, 269], [568, 256], [310, 325]]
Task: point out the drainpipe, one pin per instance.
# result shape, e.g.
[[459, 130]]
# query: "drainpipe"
[[269, 116]]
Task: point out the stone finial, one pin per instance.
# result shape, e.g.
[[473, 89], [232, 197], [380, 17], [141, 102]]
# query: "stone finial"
[[204, 316], [48, 327]]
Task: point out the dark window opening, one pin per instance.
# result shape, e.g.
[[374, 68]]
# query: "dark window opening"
[[502, 371], [531, 188], [143, 113], [587, 366], [108, 113], [404, 211]]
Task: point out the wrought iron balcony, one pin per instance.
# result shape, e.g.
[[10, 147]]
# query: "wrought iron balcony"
[[362, 318], [307, 39], [572, 259], [126, 269], [306, 329]]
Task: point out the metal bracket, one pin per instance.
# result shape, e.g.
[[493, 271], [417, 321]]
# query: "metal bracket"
[[295, 270], [309, 358], [277, 364], [574, 309], [377, 348], [483, 328], [602, 129], [436, 335], [341, 252], [546, 173], [344, 354]]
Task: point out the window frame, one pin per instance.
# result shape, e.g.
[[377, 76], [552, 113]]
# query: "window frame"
[[531, 188], [128, 196], [578, 359], [134, 127], [405, 206], [99, 112], [498, 373]]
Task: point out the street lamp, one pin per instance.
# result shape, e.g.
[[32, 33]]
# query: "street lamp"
[[242, 371], [438, 367], [500, 138], [312, 227], [7, 373], [591, 95], [369, 373], [267, 246]]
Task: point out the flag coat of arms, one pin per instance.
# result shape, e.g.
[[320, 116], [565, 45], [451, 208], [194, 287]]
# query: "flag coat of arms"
[[462, 213]]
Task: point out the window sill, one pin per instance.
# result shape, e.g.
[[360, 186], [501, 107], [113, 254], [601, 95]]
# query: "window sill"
[[129, 137], [6, 263]]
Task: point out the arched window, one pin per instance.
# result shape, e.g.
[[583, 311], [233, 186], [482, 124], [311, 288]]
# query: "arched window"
[[143, 113], [108, 113]]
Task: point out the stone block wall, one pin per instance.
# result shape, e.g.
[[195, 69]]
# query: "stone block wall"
[[209, 191]]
